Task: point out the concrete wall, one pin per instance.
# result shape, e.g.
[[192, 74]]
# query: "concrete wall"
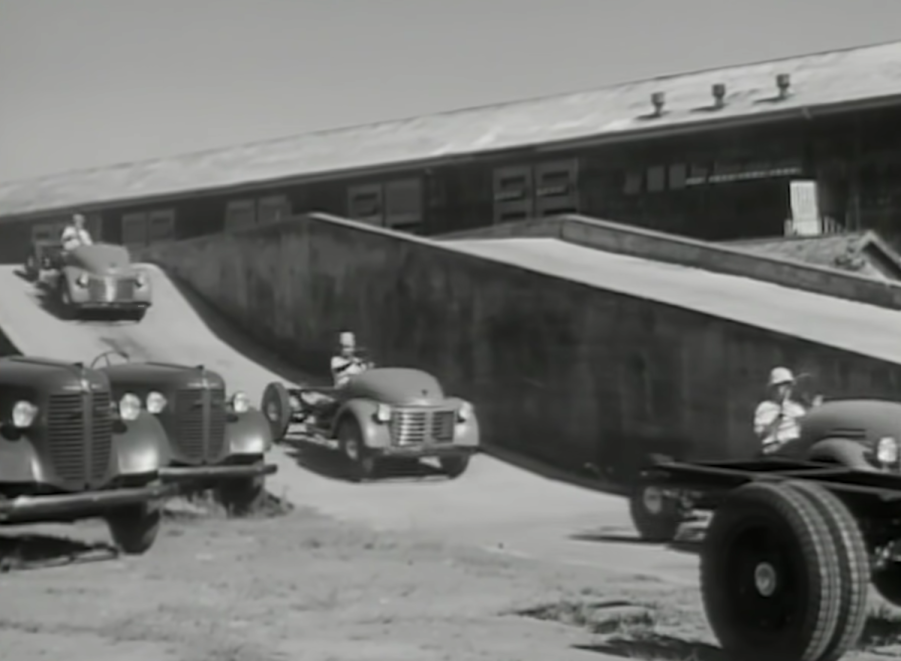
[[563, 371], [640, 242]]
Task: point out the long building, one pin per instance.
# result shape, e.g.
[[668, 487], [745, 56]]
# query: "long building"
[[800, 145]]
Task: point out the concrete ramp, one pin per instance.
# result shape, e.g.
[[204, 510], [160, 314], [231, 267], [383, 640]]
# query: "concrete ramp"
[[843, 324]]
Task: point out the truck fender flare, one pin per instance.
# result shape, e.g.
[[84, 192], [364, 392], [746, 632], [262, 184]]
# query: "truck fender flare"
[[844, 451]]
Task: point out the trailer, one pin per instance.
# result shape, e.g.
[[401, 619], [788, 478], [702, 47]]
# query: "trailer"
[[791, 550]]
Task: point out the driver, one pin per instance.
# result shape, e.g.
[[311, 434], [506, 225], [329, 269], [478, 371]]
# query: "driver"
[[777, 418], [346, 363], [75, 234]]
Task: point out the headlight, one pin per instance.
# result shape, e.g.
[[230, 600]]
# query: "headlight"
[[129, 407], [887, 450], [464, 413], [24, 414], [141, 279], [82, 280], [383, 413], [240, 402], [156, 402]]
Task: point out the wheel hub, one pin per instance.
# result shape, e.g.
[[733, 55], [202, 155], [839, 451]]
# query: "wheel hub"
[[653, 500], [272, 411], [765, 579], [350, 447]]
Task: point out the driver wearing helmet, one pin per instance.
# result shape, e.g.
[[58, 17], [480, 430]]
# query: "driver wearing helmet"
[[777, 418], [76, 234], [346, 363]]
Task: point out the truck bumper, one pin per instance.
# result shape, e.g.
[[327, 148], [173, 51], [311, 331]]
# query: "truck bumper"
[[123, 306], [87, 504], [424, 451], [192, 474]]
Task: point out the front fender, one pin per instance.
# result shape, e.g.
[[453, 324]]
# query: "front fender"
[[18, 460], [467, 433], [248, 433], [848, 453], [374, 434], [141, 446]]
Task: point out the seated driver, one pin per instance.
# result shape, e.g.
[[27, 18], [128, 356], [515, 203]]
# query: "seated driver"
[[346, 363], [777, 418], [76, 234]]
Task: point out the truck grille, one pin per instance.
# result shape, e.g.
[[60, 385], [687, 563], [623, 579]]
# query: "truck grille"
[[200, 423], [409, 427], [80, 436], [96, 289], [125, 289]]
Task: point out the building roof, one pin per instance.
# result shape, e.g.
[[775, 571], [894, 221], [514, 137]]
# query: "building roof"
[[864, 253], [821, 81]]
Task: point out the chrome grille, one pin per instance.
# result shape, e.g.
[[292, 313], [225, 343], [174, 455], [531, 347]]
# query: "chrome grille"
[[79, 436], [409, 427], [96, 289], [125, 288], [200, 423]]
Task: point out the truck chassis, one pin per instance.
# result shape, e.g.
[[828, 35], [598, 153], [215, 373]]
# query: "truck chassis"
[[790, 552]]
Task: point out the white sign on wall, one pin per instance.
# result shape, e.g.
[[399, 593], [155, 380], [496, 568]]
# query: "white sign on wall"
[[805, 208]]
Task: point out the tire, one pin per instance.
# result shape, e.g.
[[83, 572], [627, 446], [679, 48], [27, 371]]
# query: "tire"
[[770, 577], [31, 271], [454, 467], [240, 497], [276, 406], [66, 310], [655, 517], [134, 528], [361, 463], [853, 562], [888, 583]]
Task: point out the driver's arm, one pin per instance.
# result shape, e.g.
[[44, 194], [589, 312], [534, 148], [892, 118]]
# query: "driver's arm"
[[340, 364], [766, 419]]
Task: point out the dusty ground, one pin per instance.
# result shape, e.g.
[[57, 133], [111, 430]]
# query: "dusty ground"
[[303, 586]]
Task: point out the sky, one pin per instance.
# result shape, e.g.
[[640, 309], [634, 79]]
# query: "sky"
[[87, 83]]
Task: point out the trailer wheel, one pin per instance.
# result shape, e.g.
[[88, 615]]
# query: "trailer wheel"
[[655, 516], [853, 562], [770, 579], [888, 583]]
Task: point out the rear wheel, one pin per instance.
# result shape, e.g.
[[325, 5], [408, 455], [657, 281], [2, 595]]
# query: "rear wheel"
[[276, 406], [853, 562], [66, 309], [134, 528], [362, 463], [655, 515], [241, 497], [31, 269], [770, 576], [454, 467]]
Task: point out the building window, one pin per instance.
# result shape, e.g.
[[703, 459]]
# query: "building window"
[[239, 215], [656, 179], [134, 229], [365, 204], [512, 192], [557, 188], [633, 183], [160, 225], [272, 209], [678, 173], [403, 204]]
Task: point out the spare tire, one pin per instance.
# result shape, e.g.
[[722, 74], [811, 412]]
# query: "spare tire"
[[276, 406], [655, 515], [770, 576]]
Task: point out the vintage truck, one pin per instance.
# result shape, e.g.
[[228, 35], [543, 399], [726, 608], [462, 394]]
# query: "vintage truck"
[[71, 450], [384, 413], [96, 278], [213, 440]]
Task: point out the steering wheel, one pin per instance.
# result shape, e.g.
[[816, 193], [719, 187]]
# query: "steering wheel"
[[106, 357]]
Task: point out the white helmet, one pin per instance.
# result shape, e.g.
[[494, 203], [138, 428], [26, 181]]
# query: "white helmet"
[[347, 339], [780, 376]]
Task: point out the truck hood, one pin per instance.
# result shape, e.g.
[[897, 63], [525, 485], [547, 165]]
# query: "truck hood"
[[160, 376], [102, 259], [397, 386]]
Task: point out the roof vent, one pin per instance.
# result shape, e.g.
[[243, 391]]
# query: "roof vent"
[[784, 83], [658, 99], [719, 95]]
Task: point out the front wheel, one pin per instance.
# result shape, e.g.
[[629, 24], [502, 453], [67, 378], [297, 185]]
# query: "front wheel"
[[655, 515], [362, 463], [454, 467], [134, 528], [276, 406], [240, 497]]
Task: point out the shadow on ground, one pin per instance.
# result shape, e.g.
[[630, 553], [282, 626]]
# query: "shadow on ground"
[[657, 647], [35, 551]]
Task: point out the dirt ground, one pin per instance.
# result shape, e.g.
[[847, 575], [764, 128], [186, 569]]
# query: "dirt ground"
[[298, 585]]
